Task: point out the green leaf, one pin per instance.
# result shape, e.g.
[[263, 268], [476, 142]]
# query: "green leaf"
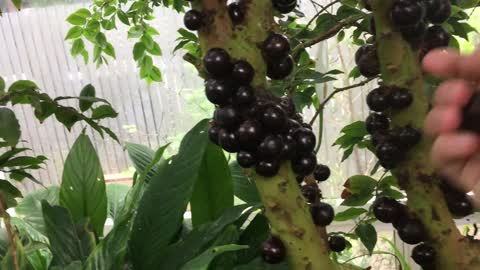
[[8, 193], [147, 40], [101, 40], [2, 85], [213, 192], [350, 213], [74, 32], [10, 153], [110, 252], [368, 236], [147, 64], [243, 187], [155, 74], [82, 190], [199, 239], [22, 85], [155, 49], [104, 111], [203, 261], [110, 50], [362, 188], [76, 265], [87, 91], [68, 116], [109, 10], [122, 16], [163, 204], [135, 32], [9, 127], [259, 264], [76, 19], [30, 207], [68, 243], [78, 47], [17, 4], [116, 194], [25, 161], [141, 156], [138, 51], [45, 110]]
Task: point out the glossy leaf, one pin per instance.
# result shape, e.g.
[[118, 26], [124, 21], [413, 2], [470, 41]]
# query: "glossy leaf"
[[203, 261], [82, 190], [9, 127], [368, 236], [244, 188]]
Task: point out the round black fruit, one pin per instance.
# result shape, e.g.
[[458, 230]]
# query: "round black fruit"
[[377, 100], [250, 134], [400, 98], [388, 151], [415, 31], [442, 13], [276, 46], [244, 96], [292, 125], [237, 12], [407, 136], [423, 254], [213, 132], [193, 20], [386, 209], [411, 232], [226, 116], [271, 147], [280, 69], [243, 72], [273, 250], [436, 37], [311, 193], [217, 62], [321, 173], [267, 168], [289, 150], [274, 118], [459, 205], [304, 164], [218, 91], [337, 243], [377, 123], [245, 159], [407, 12], [285, 7], [228, 141], [322, 214], [304, 139], [367, 61], [431, 7]]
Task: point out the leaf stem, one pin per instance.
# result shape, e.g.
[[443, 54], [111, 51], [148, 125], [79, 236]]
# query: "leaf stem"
[[8, 227]]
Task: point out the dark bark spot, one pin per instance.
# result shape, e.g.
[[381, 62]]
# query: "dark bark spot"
[[298, 232], [435, 214], [446, 232], [282, 186], [274, 206]]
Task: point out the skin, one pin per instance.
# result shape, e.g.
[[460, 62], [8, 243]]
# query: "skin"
[[455, 153]]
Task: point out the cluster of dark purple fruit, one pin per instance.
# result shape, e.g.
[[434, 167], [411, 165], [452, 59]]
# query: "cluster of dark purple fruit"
[[412, 19], [284, 6], [391, 144], [194, 19]]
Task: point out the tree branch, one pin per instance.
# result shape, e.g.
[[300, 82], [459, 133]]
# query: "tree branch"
[[8, 227], [326, 35], [337, 90]]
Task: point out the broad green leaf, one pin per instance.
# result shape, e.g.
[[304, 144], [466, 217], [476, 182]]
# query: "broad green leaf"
[[25, 161], [68, 116], [8, 193], [78, 47], [155, 74], [26, 231], [9, 154], [230, 235], [213, 192], [74, 32], [350, 213], [163, 204], [110, 252], [259, 264], [243, 187], [362, 189], [9, 127], [203, 261], [138, 51], [82, 190], [104, 111], [87, 91], [141, 156], [155, 50], [68, 242], [116, 194], [122, 16], [76, 265], [199, 239], [30, 207], [147, 40], [22, 85], [135, 32], [75, 19], [368, 236]]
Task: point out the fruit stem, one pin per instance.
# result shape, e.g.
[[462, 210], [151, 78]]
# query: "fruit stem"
[[400, 67]]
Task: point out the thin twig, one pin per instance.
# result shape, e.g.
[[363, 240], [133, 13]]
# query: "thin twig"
[[318, 14], [328, 34], [338, 90], [8, 227]]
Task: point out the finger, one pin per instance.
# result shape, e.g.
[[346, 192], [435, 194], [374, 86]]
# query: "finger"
[[469, 67], [453, 92], [443, 119], [441, 62], [454, 147]]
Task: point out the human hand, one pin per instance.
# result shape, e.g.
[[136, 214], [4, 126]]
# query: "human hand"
[[455, 153]]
